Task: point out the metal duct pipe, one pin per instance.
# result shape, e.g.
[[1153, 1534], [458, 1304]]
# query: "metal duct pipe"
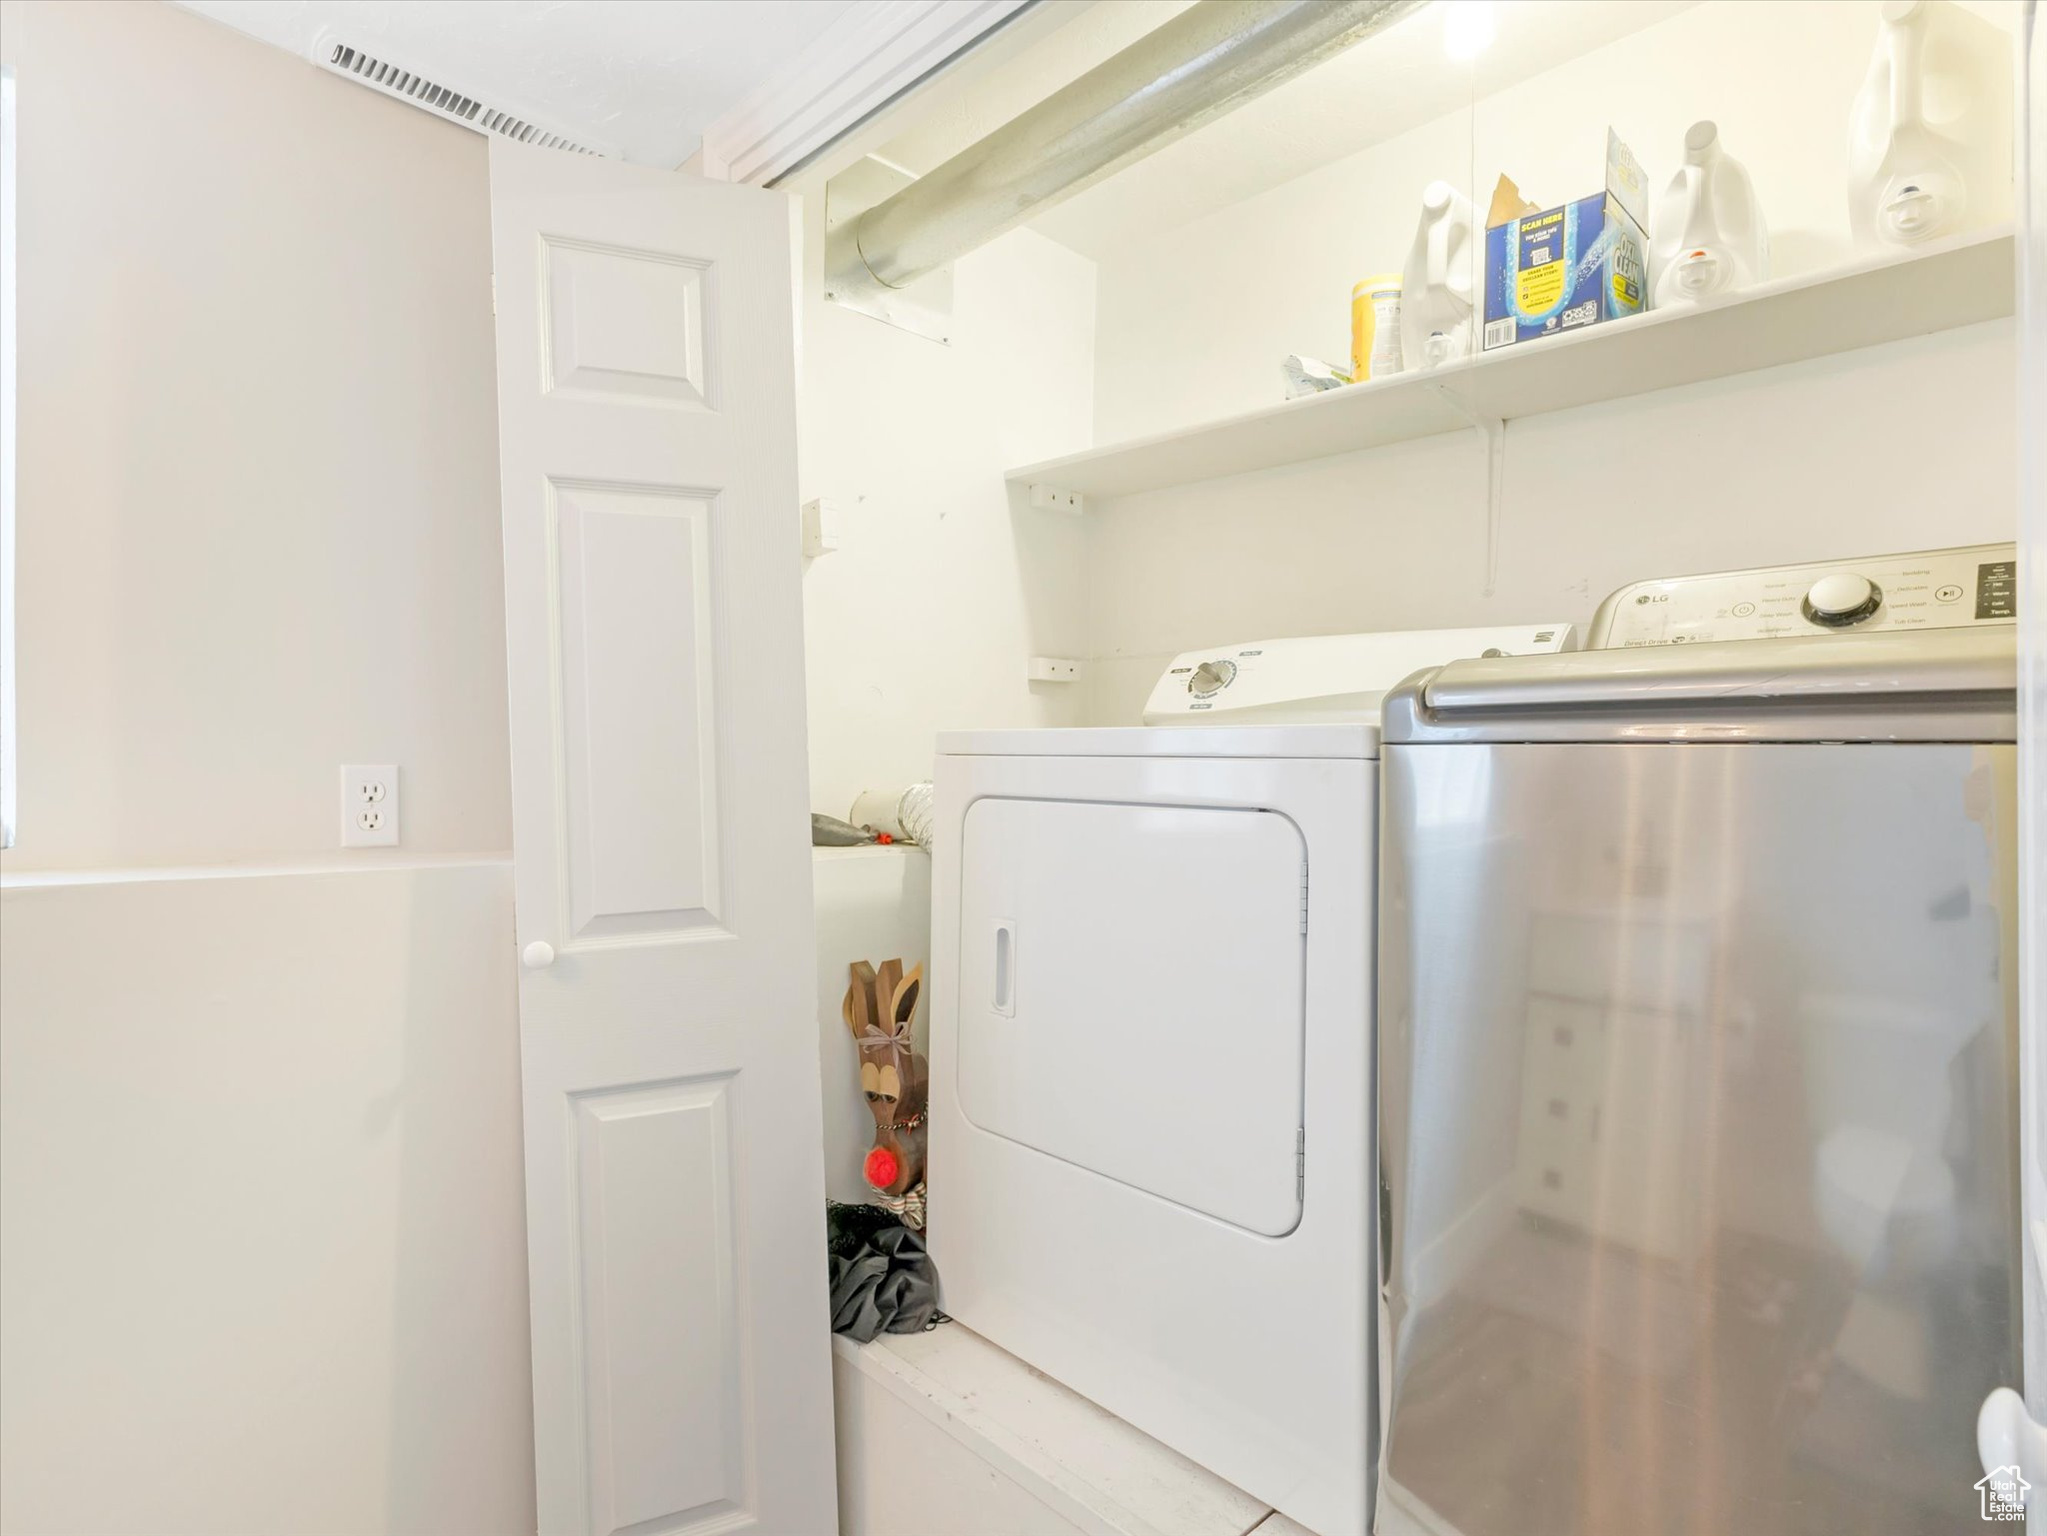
[[1206, 60]]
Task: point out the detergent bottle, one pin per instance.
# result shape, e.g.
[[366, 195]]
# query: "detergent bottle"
[[1437, 283], [1709, 236], [1929, 140]]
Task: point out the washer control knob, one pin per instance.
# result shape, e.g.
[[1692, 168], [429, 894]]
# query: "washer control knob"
[[1211, 678], [1842, 599]]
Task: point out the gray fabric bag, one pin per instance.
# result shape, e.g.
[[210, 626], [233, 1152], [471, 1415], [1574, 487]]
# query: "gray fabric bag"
[[886, 1284]]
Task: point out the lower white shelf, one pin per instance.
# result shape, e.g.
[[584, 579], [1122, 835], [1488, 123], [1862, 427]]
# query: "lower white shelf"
[[942, 1432], [1888, 298]]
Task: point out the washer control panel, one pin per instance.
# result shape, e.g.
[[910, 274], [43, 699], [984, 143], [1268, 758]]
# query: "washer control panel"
[[1938, 589]]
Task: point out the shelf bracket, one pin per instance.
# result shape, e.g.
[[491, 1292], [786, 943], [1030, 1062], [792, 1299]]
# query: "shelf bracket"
[[1493, 431], [1054, 669], [1049, 498]]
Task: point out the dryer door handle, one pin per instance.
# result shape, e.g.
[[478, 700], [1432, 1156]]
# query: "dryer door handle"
[[1005, 967]]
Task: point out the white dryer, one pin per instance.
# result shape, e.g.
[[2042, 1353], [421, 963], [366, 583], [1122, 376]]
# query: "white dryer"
[[1151, 1129]]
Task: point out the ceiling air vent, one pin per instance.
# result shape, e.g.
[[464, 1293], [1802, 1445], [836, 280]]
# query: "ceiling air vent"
[[381, 73]]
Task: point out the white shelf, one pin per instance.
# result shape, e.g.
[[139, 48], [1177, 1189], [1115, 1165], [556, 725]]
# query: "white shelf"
[[943, 1431], [1888, 299]]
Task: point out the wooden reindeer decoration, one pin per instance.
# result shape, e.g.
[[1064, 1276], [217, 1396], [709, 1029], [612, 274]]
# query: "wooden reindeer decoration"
[[879, 1006]]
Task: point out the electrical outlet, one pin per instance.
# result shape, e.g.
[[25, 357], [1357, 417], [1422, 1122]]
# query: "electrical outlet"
[[369, 805]]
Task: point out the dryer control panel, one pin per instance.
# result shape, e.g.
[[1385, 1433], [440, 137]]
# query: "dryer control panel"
[[1937, 589], [1323, 677]]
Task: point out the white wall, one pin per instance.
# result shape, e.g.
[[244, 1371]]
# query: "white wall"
[[1899, 447], [258, 483], [922, 622], [1909, 446], [262, 1244], [260, 1149], [925, 619]]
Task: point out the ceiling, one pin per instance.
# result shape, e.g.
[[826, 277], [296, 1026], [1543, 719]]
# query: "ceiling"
[[644, 78]]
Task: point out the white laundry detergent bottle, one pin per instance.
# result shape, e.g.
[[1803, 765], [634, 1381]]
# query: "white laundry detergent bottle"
[[1709, 237], [1929, 140], [1437, 282]]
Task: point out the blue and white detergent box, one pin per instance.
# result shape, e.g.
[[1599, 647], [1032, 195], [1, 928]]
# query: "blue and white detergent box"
[[1560, 269]]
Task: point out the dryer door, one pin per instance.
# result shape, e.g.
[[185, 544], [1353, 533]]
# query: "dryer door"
[[1131, 996]]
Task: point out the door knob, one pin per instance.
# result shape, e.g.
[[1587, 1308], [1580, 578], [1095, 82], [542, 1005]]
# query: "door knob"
[[537, 956]]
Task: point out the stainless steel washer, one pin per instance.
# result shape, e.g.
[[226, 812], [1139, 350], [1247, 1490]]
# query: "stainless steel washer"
[[1698, 1063]]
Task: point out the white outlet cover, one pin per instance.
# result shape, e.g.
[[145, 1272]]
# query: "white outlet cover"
[[369, 805]]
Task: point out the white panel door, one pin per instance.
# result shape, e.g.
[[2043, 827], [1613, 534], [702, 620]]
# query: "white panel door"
[[674, 1176]]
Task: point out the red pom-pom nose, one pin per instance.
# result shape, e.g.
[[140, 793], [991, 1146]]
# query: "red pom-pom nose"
[[882, 1167]]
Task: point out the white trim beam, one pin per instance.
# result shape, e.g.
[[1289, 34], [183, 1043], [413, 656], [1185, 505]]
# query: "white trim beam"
[[864, 60]]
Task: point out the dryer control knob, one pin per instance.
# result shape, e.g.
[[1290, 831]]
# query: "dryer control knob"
[[1211, 677], [1842, 599]]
